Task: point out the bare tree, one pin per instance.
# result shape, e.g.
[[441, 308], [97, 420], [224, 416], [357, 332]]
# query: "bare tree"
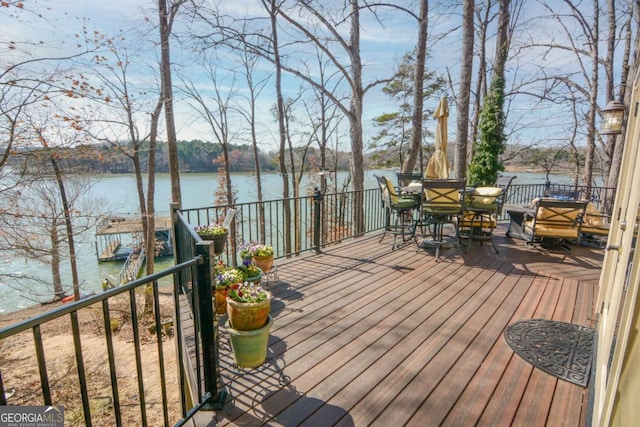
[[124, 118], [418, 92], [464, 91], [216, 109], [34, 228], [485, 16], [166, 15], [615, 144], [51, 203], [254, 85]]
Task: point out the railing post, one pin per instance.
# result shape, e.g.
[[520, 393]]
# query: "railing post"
[[317, 212], [209, 328]]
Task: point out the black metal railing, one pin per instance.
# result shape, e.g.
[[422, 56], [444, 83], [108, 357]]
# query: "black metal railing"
[[601, 197], [293, 225], [139, 304]]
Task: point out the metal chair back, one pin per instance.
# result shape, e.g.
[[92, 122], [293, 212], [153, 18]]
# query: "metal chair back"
[[443, 196]]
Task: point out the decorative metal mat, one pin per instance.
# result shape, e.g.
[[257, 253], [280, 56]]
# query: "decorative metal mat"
[[561, 349]]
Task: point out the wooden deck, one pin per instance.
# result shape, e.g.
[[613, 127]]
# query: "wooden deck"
[[370, 336]]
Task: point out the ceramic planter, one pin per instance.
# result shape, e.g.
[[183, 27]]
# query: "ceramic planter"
[[221, 300], [247, 316], [249, 347], [255, 279], [263, 262]]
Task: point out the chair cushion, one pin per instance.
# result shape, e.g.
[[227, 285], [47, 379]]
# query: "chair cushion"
[[442, 208], [470, 219], [485, 198], [602, 230], [544, 230], [404, 203], [593, 216]]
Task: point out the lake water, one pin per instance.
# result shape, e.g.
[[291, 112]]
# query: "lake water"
[[118, 195]]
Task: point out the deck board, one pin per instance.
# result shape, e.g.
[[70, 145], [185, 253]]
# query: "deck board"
[[372, 336]]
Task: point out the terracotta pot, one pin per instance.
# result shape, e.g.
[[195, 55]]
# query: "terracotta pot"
[[263, 262], [248, 316], [221, 300], [250, 347]]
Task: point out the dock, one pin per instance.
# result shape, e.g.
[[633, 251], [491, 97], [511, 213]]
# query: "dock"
[[112, 234]]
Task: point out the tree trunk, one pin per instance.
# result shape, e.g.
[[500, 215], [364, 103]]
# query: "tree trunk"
[[624, 96], [355, 117], [464, 92], [593, 97], [418, 90], [502, 41], [58, 291], [254, 146], [609, 90], [150, 219], [69, 228], [281, 128], [167, 91]]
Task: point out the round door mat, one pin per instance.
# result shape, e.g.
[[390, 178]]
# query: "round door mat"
[[564, 350]]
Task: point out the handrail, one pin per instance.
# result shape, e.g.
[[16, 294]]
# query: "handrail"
[[132, 264], [196, 269], [289, 224], [93, 299], [519, 194]]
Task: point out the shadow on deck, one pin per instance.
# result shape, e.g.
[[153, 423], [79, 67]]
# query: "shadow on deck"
[[366, 335]]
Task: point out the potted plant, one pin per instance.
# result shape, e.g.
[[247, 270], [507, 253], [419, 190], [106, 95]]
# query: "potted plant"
[[215, 232], [224, 277], [248, 306], [249, 323], [250, 272], [259, 253]]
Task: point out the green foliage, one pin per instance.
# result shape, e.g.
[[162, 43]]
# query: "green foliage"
[[486, 164], [394, 132]]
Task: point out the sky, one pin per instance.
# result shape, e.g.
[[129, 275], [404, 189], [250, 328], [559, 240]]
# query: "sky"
[[382, 47], [383, 42]]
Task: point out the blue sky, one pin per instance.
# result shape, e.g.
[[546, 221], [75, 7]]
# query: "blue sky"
[[382, 47]]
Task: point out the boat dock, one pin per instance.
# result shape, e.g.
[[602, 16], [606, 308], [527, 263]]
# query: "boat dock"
[[117, 237]]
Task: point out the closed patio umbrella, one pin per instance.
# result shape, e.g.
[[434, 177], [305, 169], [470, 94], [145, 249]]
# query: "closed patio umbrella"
[[438, 166]]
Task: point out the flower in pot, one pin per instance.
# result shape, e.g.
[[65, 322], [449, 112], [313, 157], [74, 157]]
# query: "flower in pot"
[[250, 272], [210, 230], [259, 253], [214, 232], [249, 323], [224, 277], [248, 306]]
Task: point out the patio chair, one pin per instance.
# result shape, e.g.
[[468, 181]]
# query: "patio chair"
[[505, 182], [483, 205], [405, 179], [562, 194], [442, 207], [553, 222], [398, 207]]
